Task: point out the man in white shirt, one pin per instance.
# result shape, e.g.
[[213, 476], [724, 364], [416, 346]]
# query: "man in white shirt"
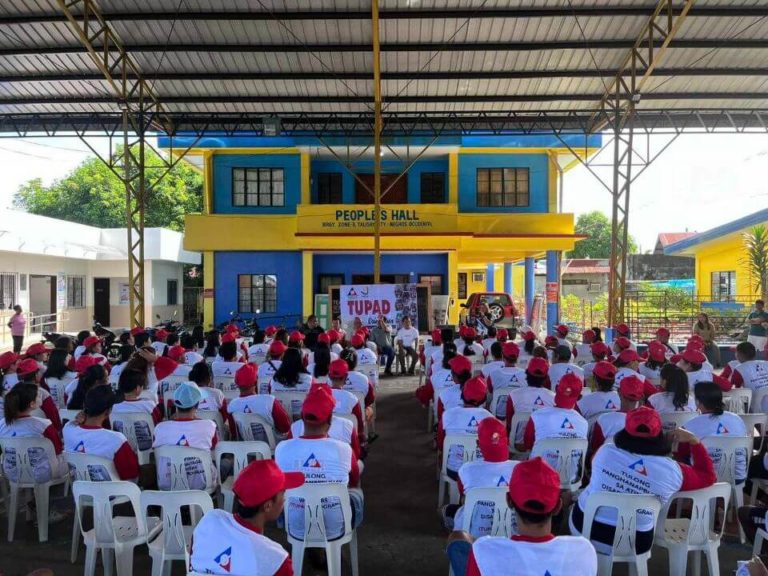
[[407, 341], [561, 365]]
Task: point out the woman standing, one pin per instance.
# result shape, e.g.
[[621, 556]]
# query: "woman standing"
[[706, 330], [17, 324]]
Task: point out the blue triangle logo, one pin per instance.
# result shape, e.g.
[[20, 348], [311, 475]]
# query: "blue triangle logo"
[[502, 482]]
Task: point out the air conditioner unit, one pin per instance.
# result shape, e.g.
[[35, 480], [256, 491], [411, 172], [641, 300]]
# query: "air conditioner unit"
[[593, 287], [478, 276]]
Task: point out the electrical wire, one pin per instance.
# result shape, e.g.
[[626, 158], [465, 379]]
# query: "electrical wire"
[[587, 46], [167, 43]]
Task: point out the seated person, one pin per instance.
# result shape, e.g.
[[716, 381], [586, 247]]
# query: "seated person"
[[561, 365], [90, 437], [263, 405], [28, 372], [234, 544], [604, 398], [610, 423]]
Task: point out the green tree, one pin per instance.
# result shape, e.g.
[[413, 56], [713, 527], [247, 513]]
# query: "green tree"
[[755, 257], [92, 194], [597, 227]]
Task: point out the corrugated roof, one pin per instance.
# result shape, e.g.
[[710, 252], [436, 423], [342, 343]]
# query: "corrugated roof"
[[688, 246], [668, 238], [438, 56]]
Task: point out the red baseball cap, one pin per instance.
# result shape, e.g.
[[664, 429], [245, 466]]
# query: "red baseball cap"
[[588, 334], [568, 391], [528, 336], [358, 340], [338, 369], [695, 338], [35, 349], [27, 366], [469, 332], [176, 353], [277, 349], [628, 356], [6, 359], [228, 337], [270, 330], [694, 356], [333, 335], [695, 345], [657, 351], [164, 367], [163, 334], [493, 440], [537, 367], [296, 336], [91, 341], [623, 343], [510, 350], [232, 329], [662, 332], [562, 329], [323, 338], [676, 358], [460, 364], [643, 422], [246, 375], [437, 337], [534, 481], [551, 341], [600, 349], [318, 405], [604, 370], [262, 480], [137, 330], [622, 329], [631, 388], [475, 389], [84, 362], [502, 334]]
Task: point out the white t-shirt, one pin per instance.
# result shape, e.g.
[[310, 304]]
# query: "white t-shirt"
[[257, 354], [611, 423], [265, 373], [490, 367], [221, 545], [30, 427], [504, 379], [213, 399], [96, 442], [366, 356], [482, 474], [583, 354], [159, 347], [653, 375], [528, 399], [662, 403], [597, 402], [79, 351], [57, 387], [727, 424], [703, 375], [194, 434], [622, 373], [408, 336], [341, 429], [191, 358], [560, 556], [9, 381], [460, 420], [754, 373], [560, 423], [557, 371]]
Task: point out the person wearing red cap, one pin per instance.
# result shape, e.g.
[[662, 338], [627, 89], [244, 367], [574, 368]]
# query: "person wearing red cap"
[[462, 419], [492, 470], [609, 423], [450, 394], [697, 369], [268, 368], [558, 421], [322, 460], [529, 345], [364, 354], [357, 382], [493, 360], [335, 341], [346, 400], [627, 364], [234, 544], [662, 336], [507, 377], [534, 495], [9, 361], [651, 368], [638, 462], [491, 336], [561, 333], [604, 398], [132, 384], [39, 353], [28, 372], [600, 351], [439, 378], [407, 342], [158, 341], [623, 331], [750, 373], [530, 398], [323, 345], [291, 376], [337, 327], [257, 352], [561, 365], [582, 353], [675, 395], [296, 340], [249, 402], [432, 344], [226, 363]]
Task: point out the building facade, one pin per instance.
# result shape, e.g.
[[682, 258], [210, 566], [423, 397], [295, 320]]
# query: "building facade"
[[284, 218]]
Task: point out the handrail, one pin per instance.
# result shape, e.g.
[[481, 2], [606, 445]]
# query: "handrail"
[[43, 320]]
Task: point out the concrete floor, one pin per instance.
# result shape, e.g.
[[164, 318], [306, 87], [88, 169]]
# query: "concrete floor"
[[401, 533]]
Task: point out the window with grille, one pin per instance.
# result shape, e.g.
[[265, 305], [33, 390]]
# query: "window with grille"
[[75, 291], [173, 292], [723, 286], [258, 187], [329, 188], [7, 289], [432, 187], [257, 293], [434, 280], [462, 285], [502, 187]]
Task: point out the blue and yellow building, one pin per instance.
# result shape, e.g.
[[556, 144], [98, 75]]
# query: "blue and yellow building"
[[284, 218]]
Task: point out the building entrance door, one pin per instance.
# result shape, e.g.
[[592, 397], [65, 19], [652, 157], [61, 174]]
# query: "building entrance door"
[[42, 303], [397, 195], [101, 301]]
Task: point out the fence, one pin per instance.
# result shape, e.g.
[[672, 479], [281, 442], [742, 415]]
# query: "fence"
[[36, 325], [192, 301]]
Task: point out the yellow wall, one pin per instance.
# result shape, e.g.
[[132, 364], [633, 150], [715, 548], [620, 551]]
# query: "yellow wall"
[[208, 276], [723, 255]]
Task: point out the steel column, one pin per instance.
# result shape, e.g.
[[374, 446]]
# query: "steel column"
[[530, 287], [377, 129]]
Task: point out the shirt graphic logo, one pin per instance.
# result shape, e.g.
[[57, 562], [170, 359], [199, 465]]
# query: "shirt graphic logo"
[[610, 405], [80, 447], [502, 482], [538, 401], [566, 424], [639, 467], [721, 429], [183, 441], [312, 462], [228, 371], [472, 422], [224, 559], [247, 410]]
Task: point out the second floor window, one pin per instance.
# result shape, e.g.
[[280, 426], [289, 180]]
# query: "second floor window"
[[432, 187], [258, 187], [502, 187], [329, 188]]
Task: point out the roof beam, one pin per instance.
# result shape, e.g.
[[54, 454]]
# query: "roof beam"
[[621, 44], [400, 75], [596, 10]]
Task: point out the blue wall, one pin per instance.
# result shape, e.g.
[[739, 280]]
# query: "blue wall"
[[387, 167], [349, 264], [538, 180], [222, 181], [286, 265]]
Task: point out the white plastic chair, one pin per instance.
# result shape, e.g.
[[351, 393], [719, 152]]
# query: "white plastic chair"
[[112, 534], [738, 400], [291, 401], [25, 479], [227, 385], [757, 400], [431, 416], [756, 427], [249, 427], [314, 527], [468, 443], [627, 506], [519, 422], [126, 422], [673, 420], [179, 457], [218, 419], [725, 469], [240, 451], [498, 405], [174, 540], [67, 415], [696, 534], [167, 386], [56, 388], [503, 515], [371, 372], [565, 448]]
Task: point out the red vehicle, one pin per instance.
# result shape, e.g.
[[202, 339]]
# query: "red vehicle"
[[501, 311]]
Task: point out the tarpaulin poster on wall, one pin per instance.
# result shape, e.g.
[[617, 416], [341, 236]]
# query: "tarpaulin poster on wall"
[[369, 301]]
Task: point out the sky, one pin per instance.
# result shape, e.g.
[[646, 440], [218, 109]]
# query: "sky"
[[699, 182]]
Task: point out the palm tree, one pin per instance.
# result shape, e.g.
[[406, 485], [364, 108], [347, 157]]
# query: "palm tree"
[[755, 257]]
